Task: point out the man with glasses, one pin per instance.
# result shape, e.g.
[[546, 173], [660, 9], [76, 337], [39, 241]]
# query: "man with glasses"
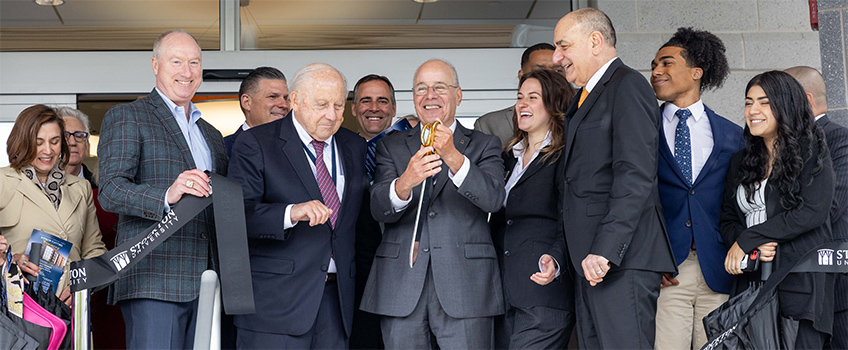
[[453, 289]]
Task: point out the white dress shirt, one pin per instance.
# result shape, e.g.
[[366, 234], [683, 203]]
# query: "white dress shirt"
[[700, 133], [306, 139], [597, 76], [399, 204]]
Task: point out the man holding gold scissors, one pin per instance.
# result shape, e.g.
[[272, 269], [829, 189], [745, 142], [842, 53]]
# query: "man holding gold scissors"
[[452, 288]]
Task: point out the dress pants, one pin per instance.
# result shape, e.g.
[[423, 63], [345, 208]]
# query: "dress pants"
[[536, 327], [157, 324], [681, 308], [327, 330], [618, 313], [414, 331], [839, 341]]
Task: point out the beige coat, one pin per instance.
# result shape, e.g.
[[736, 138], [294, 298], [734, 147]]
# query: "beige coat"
[[23, 207]]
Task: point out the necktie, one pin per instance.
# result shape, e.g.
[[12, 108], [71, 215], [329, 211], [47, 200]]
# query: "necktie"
[[370, 162], [683, 144], [582, 97], [325, 183]]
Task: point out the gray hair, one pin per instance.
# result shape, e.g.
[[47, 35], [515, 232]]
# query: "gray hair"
[[74, 113], [452, 68], [157, 45], [306, 74]]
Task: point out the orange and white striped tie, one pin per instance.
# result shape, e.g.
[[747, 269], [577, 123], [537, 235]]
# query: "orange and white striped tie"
[[582, 97]]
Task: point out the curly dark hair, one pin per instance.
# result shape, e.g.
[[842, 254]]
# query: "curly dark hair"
[[557, 94], [704, 50], [797, 137]]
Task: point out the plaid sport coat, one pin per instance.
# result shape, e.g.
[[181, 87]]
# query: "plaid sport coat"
[[142, 151]]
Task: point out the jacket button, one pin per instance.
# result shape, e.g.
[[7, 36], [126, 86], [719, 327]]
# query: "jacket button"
[[432, 214], [509, 222], [692, 192], [426, 250], [568, 180], [324, 268], [506, 253], [688, 223]]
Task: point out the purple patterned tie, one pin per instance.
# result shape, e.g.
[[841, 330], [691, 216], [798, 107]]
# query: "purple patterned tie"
[[325, 183]]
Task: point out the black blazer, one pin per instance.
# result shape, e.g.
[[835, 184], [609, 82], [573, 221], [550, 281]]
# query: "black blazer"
[[289, 267], [610, 202], [527, 228], [797, 231], [837, 143]]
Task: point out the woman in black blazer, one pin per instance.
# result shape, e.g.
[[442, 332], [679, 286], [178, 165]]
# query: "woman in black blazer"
[[788, 216], [539, 306]]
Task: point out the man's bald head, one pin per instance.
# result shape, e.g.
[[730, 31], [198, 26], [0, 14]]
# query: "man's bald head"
[[813, 83]]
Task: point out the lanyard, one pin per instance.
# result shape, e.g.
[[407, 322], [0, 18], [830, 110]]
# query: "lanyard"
[[312, 158]]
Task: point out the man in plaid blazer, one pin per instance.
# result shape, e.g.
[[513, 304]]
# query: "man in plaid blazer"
[[152, 152]]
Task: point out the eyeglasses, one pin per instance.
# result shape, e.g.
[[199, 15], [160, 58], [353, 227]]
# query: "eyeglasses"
[[80, 136], [439, 89]]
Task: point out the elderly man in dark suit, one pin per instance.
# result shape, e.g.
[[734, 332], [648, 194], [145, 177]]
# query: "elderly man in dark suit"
[[152, 152], [837, 142], [453, 289], [263, 98], [610, 207], [303, 180]]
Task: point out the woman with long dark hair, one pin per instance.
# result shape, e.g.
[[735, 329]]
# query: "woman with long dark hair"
[[777, 199], [539, 307]]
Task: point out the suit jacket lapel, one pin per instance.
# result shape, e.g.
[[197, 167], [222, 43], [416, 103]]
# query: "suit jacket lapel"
[[534, 166], [718, 140], [347, 169], [293, 153], [460, 142], [31, 191], [580, 113], [161, 111], [217, 149], [70, 201]]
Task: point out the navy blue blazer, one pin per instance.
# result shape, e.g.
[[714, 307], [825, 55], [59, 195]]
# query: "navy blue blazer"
[[230, 140], [693, 211], [289, 267]]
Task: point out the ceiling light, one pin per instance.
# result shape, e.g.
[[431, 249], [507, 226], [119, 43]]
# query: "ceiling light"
[[424, 1], [50, 2]]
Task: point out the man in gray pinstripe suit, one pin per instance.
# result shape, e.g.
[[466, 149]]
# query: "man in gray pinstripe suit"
[[152, 152]]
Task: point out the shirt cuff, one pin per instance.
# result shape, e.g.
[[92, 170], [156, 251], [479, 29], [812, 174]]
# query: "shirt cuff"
[[397, 203], [460, 175], [167, 206], [287, 222], [555, 261]]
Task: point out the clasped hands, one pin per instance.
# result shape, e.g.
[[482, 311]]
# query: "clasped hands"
[[735, 256], [421, 166]]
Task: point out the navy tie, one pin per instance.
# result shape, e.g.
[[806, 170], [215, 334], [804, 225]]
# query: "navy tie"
[[370, 161], [683, 144]]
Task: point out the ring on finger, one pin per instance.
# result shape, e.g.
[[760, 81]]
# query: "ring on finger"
[[189, 183], [599, 272]]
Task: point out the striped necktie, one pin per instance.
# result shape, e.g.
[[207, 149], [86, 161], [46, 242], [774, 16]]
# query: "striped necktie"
[[326, 183]]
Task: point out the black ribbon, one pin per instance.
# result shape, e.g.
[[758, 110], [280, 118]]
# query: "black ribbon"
[[236, 284]]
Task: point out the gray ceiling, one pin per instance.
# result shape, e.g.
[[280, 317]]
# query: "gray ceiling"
[[276, 24]]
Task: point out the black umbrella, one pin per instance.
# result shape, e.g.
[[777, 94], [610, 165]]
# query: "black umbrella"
[[752, 320]]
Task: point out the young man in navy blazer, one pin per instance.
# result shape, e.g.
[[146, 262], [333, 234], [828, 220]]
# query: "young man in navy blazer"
[[694, 152]]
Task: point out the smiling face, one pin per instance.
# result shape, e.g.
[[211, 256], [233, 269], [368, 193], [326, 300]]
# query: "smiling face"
[[48, 145], [673, 81], [78, 150], [319, 108], [373, 108], [433, 106], [533, 117], [177, 68], [574, 52], [759, 116], [269, 102]]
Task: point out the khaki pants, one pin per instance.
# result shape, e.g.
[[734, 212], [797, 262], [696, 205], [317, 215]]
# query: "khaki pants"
[[681, 308]]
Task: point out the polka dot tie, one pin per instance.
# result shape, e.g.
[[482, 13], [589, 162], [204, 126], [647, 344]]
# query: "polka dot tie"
[[582, 97], [683, 144]]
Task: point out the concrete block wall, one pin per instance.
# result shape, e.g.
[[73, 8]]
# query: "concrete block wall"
[[759, 35], [833, 37]]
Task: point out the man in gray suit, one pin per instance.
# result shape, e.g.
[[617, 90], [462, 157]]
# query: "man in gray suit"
[[453, 290], [152, 152], [499, 123]]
